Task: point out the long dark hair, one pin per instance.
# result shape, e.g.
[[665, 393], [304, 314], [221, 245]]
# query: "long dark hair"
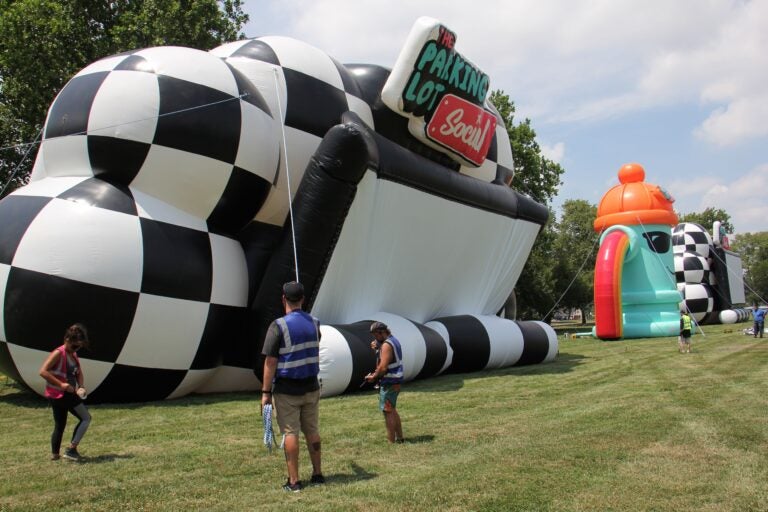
[[77, 332]]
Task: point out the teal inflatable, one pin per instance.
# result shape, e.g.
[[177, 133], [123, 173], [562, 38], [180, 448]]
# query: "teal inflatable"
[[635, 289]]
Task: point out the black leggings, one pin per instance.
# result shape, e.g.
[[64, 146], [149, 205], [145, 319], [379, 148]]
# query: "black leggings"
[[61, 407]]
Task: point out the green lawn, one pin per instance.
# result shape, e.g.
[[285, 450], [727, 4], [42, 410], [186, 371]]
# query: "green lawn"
[[629, 425]]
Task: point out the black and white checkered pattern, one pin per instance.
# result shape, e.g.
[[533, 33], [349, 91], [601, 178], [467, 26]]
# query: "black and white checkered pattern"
[[697, 299], [689, 237], [733, 316], [305, 88], [453, 344], [319, 90], [691, 268], [150, 282], [693, 248], [175, 123]]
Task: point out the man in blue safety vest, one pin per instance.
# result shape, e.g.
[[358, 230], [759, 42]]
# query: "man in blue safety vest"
[[389, 368], [292, 351]]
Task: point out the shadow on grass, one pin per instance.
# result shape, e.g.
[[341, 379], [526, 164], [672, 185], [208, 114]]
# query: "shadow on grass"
[[358, 475], [562, 364], [187, 401], [453, 382], [18, 396], [107, 457], [419, 439], [14, 394]]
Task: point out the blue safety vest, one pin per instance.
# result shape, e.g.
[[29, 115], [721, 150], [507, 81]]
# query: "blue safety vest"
[[299, 354], [394, 373]]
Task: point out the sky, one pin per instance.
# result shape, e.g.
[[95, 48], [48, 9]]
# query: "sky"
[[680, 87]]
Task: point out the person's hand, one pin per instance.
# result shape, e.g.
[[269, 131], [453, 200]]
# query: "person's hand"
[[370, 377], [81, 392], [68, 388], [374, 345], [266, 398]]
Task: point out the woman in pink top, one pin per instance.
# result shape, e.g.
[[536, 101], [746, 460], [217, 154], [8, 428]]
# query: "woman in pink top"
[[65, 391]]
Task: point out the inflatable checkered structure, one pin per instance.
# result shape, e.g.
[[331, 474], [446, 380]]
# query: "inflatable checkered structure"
[[155, 287], [692, 247], [453, 344], [698, 300], [175, 123], [315, 90], [692, 268], [690, 237], [151, 162]]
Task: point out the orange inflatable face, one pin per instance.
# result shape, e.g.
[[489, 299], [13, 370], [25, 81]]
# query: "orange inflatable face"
[[634, 202]]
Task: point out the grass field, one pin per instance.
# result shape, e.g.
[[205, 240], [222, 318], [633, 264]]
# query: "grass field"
[[629, 425]]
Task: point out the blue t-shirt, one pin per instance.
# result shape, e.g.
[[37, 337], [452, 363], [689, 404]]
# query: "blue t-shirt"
[[759, 315]]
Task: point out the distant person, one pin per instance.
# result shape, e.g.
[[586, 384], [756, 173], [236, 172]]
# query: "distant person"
[[292, 350], [759, 318], [685, 332], [65, 392], [389, 368]]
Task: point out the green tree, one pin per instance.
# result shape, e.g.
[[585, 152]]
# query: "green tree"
[[753, 249], [535, 175], [575, 253], [535, 293], [44, 42], [539, 178], [706, 218]]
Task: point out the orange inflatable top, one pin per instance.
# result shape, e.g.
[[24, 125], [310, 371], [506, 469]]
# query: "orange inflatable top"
[[634, 202]]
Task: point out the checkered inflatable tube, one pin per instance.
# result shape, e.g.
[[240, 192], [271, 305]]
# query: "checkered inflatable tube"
[[445, 345]]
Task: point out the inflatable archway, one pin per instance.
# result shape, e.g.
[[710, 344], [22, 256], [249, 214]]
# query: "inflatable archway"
[[158, 215], [635, 289]]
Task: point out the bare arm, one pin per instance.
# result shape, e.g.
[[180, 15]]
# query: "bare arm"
[[385, 357], [270, 367], [80, 377]]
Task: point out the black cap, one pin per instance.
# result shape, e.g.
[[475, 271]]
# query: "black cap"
[[293, 291], [379, 326]]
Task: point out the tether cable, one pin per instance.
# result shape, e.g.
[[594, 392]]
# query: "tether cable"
[[23, 159], [730, 271], [674, 281], [287, 175], [102, 128], [578, 272]]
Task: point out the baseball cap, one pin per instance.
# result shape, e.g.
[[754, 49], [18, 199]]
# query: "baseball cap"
[[379, 326], [293, 291]]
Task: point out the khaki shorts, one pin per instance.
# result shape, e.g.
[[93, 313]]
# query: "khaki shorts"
[[297, 413]]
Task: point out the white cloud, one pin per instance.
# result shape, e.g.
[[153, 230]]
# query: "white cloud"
[[573, 60], [742, 119], [554, 153], [745, 198]]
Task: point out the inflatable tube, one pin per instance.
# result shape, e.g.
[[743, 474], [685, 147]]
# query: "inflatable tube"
[[326, 192], [609, 324], [446, 344]]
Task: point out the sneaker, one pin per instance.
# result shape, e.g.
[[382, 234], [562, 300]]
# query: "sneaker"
[[71, 454], [317, 479], [288, 486], [55, 456]]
